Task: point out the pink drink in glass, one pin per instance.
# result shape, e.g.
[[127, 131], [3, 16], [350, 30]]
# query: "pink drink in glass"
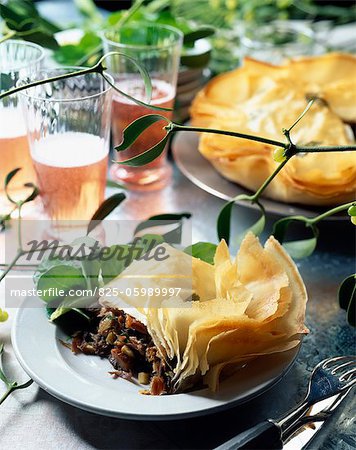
[[125, 111]]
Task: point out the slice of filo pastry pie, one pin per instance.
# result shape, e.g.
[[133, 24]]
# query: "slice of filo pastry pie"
[[226, 314]]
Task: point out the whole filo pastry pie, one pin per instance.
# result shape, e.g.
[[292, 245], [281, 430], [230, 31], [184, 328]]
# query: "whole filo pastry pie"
[[261, 99], [225, 315]]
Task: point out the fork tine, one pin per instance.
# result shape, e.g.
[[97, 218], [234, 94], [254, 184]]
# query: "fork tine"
[[346, 374], [350, 383], [342, 366], [327, 363]]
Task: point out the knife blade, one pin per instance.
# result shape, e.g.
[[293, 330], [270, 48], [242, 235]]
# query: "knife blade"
[[312, 423]]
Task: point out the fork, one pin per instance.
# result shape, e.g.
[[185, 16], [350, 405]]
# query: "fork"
[[331, 377]]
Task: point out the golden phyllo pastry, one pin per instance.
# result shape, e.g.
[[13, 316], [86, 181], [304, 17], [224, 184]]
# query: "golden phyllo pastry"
[[261, 99], [235, 310]]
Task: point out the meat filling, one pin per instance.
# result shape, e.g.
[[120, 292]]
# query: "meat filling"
[[126, 343]]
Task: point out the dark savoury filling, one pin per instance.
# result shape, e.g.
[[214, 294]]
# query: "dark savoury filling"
[[128, 346]]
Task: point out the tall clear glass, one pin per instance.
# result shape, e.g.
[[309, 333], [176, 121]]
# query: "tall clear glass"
[[18, 59], [68, 124], [157, 48]]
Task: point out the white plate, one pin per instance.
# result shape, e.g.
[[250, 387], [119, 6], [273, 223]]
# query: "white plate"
[[200, 172], [83, 381]]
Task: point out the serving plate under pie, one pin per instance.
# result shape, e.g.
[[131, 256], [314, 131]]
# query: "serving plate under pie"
[[200, 172], [83, 381]]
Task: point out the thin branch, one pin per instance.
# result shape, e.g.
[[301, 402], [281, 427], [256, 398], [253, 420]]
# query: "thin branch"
[[330, 212], [89, 55], [11, 265], [325, 149], [15, 387], [128, 14], [64, 76], [175, 127], [257, 194], [8, 36], [309, 105], [19, 229]]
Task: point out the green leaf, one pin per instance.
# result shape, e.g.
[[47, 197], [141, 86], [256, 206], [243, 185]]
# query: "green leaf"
[[257, 228], [202, 250], [149, 241], [35, 192], [30, 15], [63, 277], [113, 184], [105, 209], [351, 312], [11, 17], [144, 75], [84, 240], [174, 236], [347, 290], [3, 377], [302, 248], [91, 270], [49, 311], [133, 131], [58, 312], [115, 261], [111, 265], [280, 228], [61, 310], [30, 198], [89, 41], [224, 222], [6, 82], [87, 48], [121, 256], [4, 220], [148, 156], [196, 60], [114, 18], [200, 33], [68, 54], [10, 176], [37, 36], [23, 17], [163, 219], [8, 179], [50, 27], [347, 298]]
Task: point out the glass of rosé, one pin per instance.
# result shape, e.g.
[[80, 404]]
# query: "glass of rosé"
[[157, 48]]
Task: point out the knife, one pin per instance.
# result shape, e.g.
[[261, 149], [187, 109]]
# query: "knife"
[[305, 432], [330, 382], [268, 435]]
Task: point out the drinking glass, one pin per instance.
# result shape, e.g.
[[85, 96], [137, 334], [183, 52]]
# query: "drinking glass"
[[157, 48], [278, 41], [68, 125], [18, 59]]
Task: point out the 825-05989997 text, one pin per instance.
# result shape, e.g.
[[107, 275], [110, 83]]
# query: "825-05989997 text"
[[98, 291]]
